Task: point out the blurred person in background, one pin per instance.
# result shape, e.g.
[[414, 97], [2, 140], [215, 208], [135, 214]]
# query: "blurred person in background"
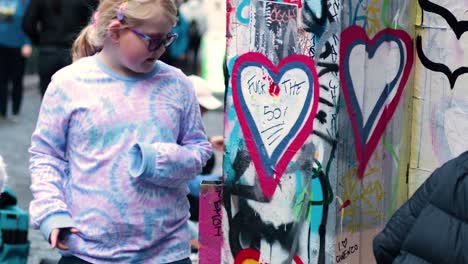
[[196, 16], [14, 49], [176, 54], [53, 25]]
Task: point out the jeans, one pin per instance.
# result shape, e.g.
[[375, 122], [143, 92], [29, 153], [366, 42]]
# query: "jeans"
[[71, 260]]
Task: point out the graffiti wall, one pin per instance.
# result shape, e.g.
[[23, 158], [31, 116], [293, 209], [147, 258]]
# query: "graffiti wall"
[[335, 111], [440, 97], [315, 128]]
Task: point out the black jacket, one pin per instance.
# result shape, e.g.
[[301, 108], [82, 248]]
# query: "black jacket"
[[432, 226], [57, 23]]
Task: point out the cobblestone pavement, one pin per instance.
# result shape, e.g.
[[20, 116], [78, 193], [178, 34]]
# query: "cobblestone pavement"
[[14, 143]]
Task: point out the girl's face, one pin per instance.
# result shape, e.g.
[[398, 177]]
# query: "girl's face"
[[135, 57]]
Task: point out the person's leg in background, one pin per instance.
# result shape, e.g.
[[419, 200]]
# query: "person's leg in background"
[[46, 69], [4, 80], [17, 73], [196, 67], [51, 59]]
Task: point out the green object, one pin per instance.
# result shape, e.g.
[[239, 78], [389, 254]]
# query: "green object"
[[14, 223], [13, 218], [14, 254]]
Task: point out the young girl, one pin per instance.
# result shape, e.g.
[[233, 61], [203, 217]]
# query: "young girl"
[[119, 136]]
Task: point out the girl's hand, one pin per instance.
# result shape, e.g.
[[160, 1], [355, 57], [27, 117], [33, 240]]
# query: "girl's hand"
[[57, 239], [217, 142], [26, 50]]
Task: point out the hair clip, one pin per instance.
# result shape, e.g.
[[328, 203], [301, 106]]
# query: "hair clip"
[[121, 11], [95, 18]]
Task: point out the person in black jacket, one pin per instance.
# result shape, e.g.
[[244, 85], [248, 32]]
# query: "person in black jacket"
[[432, 226], [53, 25]]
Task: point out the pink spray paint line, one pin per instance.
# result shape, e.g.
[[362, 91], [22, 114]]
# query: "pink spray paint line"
[[269, 182], [349, 38]]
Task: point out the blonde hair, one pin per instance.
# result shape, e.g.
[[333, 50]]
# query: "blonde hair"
[[91, 38]]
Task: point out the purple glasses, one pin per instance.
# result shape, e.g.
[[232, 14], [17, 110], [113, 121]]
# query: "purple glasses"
[[156, 43]]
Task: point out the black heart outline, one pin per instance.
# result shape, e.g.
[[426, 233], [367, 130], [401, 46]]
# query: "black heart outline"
[[459, 27], [439, 67], [344, 243]]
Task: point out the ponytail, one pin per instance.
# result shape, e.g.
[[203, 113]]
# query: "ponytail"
[[84, 45]]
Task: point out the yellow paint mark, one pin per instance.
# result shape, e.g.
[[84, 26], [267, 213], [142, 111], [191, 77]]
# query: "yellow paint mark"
[[364, 197], [419, 16], [373, 21], [250, 261]]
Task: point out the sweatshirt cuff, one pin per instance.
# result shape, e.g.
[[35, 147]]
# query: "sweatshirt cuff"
[[59, 220], [142, 160]]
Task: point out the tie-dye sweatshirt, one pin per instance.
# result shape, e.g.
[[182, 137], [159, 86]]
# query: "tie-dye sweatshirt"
[[112, 155]]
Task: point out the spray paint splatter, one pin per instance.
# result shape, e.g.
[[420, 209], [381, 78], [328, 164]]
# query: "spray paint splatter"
[[273, 88], [345, 204]]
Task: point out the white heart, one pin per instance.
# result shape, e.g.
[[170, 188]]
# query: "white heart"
[[371, 76], [274, 116]]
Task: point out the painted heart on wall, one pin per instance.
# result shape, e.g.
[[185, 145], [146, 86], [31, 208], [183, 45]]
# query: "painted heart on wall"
[[373, 74], [276, 106]]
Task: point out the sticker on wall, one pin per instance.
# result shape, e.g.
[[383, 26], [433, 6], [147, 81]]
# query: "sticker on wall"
[[276, 106], [373, 76], [273, 28]]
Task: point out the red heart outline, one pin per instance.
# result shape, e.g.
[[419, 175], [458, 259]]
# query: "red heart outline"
[[268, 183], [348, 36]]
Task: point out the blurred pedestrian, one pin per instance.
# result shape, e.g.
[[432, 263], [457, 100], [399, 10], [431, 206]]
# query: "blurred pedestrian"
[[196, 16], [431, 227], [176, 54], [122, 130], [52, 25], [14, 49]]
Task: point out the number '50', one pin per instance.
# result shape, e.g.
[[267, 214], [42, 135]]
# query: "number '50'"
[[271, 112]]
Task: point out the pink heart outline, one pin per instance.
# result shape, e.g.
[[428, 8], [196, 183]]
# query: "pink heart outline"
[[268, 183], [348, 37]]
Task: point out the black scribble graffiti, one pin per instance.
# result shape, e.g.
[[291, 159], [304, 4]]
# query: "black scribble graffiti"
[[459, 27], [439, 67], [321, 117], [324, 137], [328, 67], [241, 161], [247, 230], [246, 227], [326, 102], [324, 87], [313, 23], [328, 51], [327, 70]]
